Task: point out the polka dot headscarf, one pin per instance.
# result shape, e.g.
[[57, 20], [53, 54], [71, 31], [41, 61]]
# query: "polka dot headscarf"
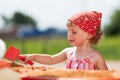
[[87, 21]]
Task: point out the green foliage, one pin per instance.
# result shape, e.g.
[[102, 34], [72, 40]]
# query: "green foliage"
[[114, 27], [20, 18], [42, 45], [109, 46]]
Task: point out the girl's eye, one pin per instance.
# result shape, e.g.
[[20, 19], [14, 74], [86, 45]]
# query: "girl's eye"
[[74, 32]]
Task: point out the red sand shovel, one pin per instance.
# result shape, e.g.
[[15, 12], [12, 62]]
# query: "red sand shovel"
[[13, 53]]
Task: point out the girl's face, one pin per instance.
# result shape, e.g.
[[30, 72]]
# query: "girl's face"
[[76, 36]]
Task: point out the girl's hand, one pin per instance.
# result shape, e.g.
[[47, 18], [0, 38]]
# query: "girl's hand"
[[29, 59], [23, 59]]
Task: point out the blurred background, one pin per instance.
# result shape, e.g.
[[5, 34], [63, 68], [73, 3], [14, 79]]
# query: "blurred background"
[[39, 26]]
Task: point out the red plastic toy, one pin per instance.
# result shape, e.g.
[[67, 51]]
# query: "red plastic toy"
[[13, 53]]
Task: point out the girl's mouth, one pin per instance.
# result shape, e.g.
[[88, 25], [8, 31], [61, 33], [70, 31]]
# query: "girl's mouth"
[[71, 41]]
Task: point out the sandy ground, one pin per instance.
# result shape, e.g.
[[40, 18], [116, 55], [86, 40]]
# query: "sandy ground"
[[112, 65]]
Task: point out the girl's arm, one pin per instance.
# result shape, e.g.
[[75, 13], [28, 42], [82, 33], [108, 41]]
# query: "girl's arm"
[[100, 62], [47, 59]]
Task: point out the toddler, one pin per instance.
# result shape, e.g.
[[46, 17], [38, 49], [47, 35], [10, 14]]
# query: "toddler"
[[83, 32]]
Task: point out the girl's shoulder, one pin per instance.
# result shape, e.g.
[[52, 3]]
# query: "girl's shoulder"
[[98, 56], [69, 50]]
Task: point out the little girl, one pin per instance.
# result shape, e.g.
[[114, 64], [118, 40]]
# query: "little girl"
[[83, 32]]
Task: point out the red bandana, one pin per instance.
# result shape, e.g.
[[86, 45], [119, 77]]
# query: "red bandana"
[[88, 21]]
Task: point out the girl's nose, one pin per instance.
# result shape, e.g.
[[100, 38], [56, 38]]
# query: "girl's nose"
[[69, 35]]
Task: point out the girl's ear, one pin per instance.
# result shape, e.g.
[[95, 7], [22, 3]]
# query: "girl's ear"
[[89, 36]]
